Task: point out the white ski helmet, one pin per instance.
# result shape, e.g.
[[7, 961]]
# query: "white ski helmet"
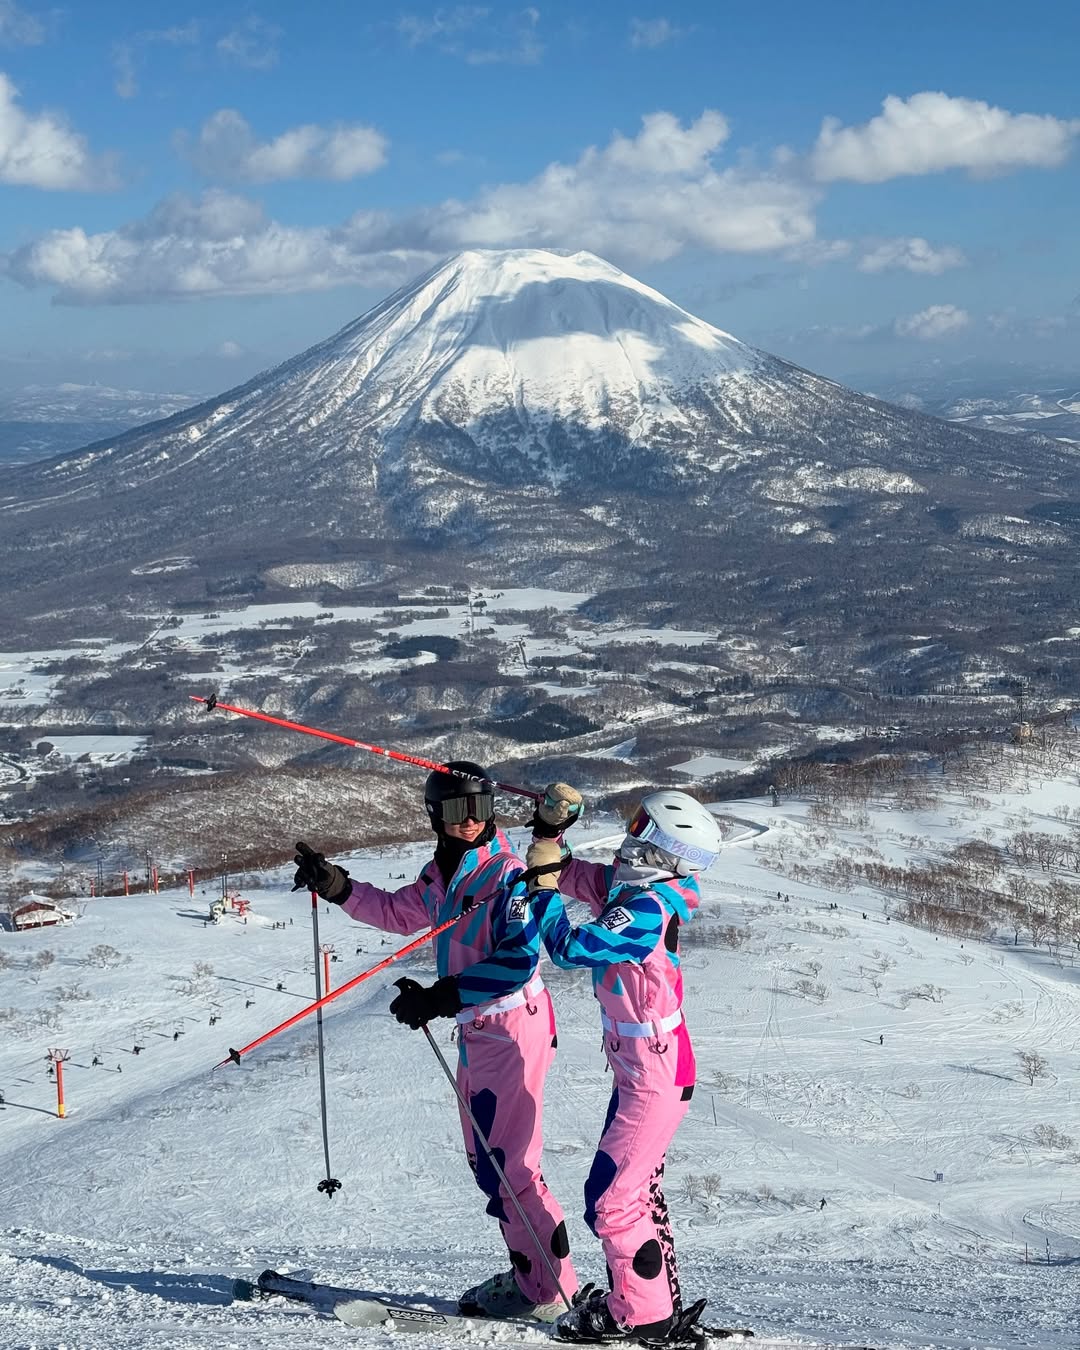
[[673, 831]]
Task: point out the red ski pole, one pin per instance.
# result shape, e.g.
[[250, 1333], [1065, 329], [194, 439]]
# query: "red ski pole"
[[212, 703], [234, 1055]]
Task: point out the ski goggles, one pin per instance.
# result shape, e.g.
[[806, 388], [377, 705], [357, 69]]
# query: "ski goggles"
[[478, 806], [642, 826]]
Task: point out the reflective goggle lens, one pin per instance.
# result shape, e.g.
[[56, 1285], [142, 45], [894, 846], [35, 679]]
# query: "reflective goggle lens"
[[639, 824], [457, 810]]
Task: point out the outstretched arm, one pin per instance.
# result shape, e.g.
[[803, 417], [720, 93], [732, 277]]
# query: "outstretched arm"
[[625, 930], [400, 911]]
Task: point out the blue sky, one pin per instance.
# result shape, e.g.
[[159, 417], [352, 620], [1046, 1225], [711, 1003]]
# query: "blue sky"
[[189, 193]]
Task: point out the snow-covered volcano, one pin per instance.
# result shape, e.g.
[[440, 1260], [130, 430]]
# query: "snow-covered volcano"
[[513, 404], [550, 334]]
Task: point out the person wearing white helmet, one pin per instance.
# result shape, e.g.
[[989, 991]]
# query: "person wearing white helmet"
[[639, 903]]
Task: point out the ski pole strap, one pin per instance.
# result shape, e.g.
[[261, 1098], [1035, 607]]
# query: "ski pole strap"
[[531, 873], [212, 702]]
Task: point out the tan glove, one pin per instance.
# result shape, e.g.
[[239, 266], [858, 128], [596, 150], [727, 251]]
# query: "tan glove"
[[544, 853], [557, 810]]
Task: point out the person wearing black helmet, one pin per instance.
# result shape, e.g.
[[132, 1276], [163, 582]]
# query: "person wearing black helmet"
[[488, 982]]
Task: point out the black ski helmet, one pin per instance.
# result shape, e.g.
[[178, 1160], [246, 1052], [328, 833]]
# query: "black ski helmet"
[[471, 781]]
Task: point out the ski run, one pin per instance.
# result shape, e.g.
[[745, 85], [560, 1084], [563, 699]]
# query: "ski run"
[[127, 1223]]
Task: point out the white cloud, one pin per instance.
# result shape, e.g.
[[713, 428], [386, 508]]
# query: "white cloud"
[[472, 33], [518, 43], [18, 28], [652, 32], [443, 24], [226, 149], [933, 322], [42, 151], [644, 198], [911, 254], [126, 55], [931, 132], [229, 350], [251, 44], [213, 245]]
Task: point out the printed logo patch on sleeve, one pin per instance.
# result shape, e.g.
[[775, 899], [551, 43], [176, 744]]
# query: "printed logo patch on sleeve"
[[519, 909], [614, 920]]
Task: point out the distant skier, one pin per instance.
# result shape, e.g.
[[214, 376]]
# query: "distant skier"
[[881, 1039], [824, 1202], [632, 948], [488, 982]]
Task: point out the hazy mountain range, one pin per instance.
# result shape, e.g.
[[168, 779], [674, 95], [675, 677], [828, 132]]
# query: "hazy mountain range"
[[40, 421]]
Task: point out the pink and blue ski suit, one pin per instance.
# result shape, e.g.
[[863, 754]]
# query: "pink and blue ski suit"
[[506, 1036], [632, 949]]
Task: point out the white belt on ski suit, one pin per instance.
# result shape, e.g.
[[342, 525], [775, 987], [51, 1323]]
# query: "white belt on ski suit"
[[504, 1004], [641, 1028]]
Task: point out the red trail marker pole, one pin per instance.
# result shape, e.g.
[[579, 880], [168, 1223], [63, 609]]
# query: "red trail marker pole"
[[59, 1059], [430, 764], [234, 1055]]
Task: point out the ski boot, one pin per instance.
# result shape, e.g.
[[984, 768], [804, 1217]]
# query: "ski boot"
[[590, 1321], [501, 1296]]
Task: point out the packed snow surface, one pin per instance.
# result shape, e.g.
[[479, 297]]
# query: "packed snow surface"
[[821, 1078]]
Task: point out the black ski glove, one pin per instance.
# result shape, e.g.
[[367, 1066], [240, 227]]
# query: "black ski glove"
[[326, 879], [415, 1006], [556, 810]]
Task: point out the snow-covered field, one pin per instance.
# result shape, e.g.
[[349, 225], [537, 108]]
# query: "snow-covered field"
[[821, 1077]]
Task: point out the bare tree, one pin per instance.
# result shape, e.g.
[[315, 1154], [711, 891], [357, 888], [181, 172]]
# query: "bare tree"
[[1033, 1065]]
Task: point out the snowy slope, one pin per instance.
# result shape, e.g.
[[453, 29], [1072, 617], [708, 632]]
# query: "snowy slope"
[[123, 1224]]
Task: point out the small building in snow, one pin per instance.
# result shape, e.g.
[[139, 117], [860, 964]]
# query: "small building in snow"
[[38, 911]]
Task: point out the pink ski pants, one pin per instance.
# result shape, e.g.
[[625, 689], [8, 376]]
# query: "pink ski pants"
[[502, 1063], [624, 1202]]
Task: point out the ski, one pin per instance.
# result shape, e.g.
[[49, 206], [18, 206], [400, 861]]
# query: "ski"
[[369, 1312], [359, 1308]]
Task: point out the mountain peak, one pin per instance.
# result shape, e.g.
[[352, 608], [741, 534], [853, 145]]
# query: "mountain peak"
[[507, 327]]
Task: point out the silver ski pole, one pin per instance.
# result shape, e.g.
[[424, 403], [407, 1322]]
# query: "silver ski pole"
[[495, 1163], [329, 1184]]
